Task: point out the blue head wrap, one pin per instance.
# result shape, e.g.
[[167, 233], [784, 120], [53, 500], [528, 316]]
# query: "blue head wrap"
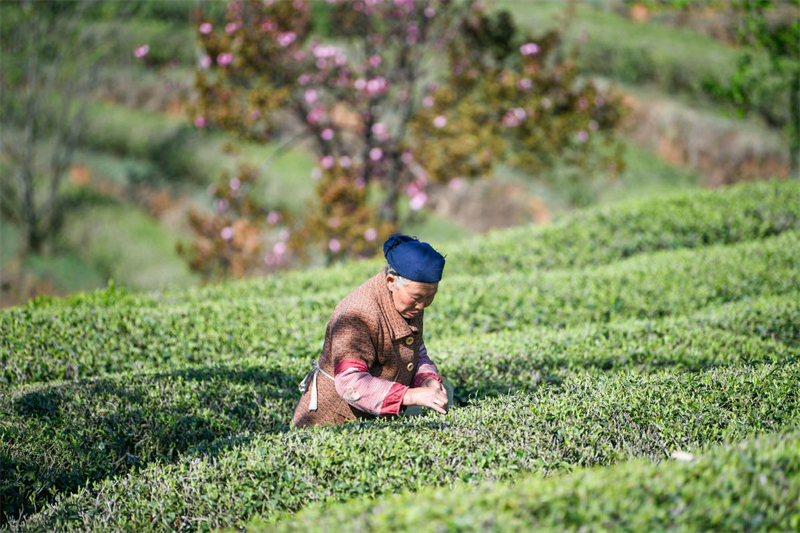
[[412, 259]]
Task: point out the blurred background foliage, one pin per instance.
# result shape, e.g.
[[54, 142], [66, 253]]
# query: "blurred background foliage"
[[135, 149]]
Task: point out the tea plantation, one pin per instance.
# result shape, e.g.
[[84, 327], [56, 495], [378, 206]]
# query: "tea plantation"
[[584, 355]]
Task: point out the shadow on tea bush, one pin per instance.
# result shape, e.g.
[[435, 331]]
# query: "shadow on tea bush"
[[63, 437]]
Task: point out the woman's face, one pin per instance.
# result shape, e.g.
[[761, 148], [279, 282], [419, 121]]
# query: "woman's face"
[[411, 299]]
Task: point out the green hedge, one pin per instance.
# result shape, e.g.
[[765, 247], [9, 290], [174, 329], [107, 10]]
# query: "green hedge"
[[55, 439], [591, 420], [504, 362], [751, 486], [58, 342], [58, 437], [587, 238], [624, 332], [607, 234]]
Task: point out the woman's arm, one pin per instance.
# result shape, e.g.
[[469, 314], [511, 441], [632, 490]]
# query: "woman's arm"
[[364, 391], [426, 368]]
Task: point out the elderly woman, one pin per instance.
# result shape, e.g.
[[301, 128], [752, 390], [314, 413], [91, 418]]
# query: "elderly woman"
[[374, 362]]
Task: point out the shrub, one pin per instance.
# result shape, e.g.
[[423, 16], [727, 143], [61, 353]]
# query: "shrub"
[[591, 420], [62, 436], [58, 342], [751, 486]]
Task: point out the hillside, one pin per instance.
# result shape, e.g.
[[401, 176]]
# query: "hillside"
[[141, 165], [607, 340]]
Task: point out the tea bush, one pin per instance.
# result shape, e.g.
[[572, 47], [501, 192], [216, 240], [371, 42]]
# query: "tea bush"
[[591, 420], [70, 342], [750, 486], [107, 426], [614, 334]]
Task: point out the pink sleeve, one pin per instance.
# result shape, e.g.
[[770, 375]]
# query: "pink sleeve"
[[426, 368], [364, 391]]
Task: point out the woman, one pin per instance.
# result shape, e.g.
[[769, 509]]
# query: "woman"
[[374, 361]]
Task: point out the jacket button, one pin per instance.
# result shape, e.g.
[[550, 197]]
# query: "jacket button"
[[410, 367], [409, 340]]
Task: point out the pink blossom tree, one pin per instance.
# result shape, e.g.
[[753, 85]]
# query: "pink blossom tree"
[[394, 95]]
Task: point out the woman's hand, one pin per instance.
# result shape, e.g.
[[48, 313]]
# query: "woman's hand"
[[432, 382], [428, 395]]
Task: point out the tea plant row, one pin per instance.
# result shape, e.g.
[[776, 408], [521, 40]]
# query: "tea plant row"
[[748, 486], [64, 342]]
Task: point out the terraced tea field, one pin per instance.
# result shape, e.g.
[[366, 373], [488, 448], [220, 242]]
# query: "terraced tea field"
[[629, 367]]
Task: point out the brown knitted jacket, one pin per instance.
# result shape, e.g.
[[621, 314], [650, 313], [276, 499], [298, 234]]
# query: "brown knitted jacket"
[[364, 326]]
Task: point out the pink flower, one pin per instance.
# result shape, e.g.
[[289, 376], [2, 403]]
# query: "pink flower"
[[268, 25], [205, 28], [141, 51], [524, 84], [380, 131], [273, 217], [325, 52], [316, 174], [279, 248], [287, 38], [418, 201], [376, 154], [327, 134], [412, 189], [200, 121], [225, 58], [235, 184], [255, 114], [360, 84], [456, 183], [205, 61], [583, 103], [428, 102], [284, 234], [310, 96], [303, 79], [377, 85], [226, 233], [327, 162], [270, 259], [593, 125], [231, 27], [583, 136], [430, 12], [315, 115], [529, 49], [514, 117], [359, 183], [440, 121], [375, 60], [334, 245], [345, 161]]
